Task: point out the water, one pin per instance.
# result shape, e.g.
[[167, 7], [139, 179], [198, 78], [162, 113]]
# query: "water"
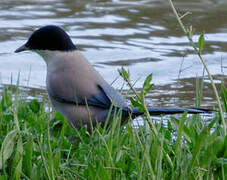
[[141, 35]]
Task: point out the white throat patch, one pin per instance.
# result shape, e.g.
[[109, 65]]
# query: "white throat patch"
[[50, 56]]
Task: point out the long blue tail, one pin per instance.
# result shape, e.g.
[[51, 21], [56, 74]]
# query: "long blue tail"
[[170, 110]]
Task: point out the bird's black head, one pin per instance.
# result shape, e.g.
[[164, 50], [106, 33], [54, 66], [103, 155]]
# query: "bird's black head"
[[49, 38]]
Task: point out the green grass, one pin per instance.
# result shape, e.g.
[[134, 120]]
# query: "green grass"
[[38, 144]]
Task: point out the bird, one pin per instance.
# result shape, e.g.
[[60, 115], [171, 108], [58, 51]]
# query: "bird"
[[76, 89]]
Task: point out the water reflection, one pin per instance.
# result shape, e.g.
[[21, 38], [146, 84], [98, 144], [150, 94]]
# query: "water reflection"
[[141, 35]]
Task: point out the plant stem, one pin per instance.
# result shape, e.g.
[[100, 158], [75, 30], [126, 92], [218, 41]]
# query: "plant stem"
[[151, 124], [203, 62]]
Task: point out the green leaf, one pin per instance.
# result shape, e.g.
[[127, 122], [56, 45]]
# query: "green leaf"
[[3, 177], [22, 111], [198, 146], [201, 42], [225, 145], [211, 124], [224, 96], [186, 130], [59, 117], [147, 84], [6, 99], [27, 161], [123, 73], [7, 147], [34, 105], [17, 161], [219, 144], [137, 104], [211, 150], [17, 174], [180, 132], [36, 172]]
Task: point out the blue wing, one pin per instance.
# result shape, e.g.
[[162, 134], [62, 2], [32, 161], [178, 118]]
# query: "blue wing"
[[107, 96]]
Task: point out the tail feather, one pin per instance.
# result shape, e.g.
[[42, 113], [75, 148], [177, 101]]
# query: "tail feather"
[[170, 110]]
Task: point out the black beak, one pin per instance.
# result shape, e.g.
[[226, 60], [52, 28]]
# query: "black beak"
[[22, 48]]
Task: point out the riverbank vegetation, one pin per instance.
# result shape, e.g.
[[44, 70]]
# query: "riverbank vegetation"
[[37, 143]]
